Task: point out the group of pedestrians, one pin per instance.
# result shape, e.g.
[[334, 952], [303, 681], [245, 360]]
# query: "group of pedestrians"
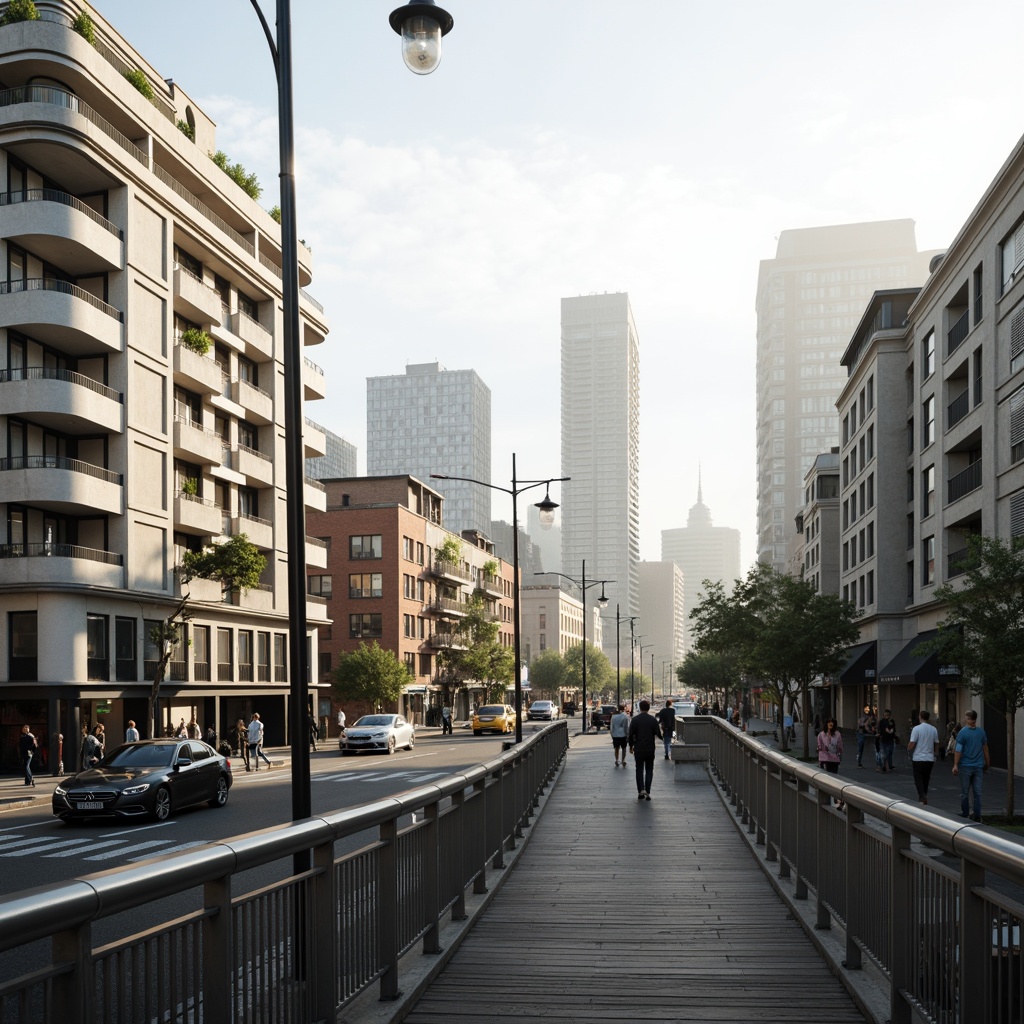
[[640, 734], [250, 742]]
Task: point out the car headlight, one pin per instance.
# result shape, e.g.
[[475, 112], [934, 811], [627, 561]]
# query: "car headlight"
[[379, 735], [135, 790], [60, 791]]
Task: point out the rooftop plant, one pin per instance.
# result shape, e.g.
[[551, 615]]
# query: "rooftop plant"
[[141, 82], [19, 10], [247, 182], [186, 129], [84, 27]]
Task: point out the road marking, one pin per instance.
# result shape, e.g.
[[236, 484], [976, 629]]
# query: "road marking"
[[18, 828], [136, 831], [148, 845], [10, 844], [79, 851], [413, 775], [30, 847], [178, 848]]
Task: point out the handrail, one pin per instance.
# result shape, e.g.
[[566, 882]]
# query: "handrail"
[[196, 203], [53, 195], [309, 298], [47, 284], [22, 373], [313, 366], [252, 451], [19, 462], [48, 549]]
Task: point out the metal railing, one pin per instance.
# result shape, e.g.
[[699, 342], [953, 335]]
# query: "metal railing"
[[47, 549], [957, 409], [299, 948], [958, 332], [44, 284], [52, 195], [964, 482], [19, 462], [197, 204], [53, 373], [948, 943]]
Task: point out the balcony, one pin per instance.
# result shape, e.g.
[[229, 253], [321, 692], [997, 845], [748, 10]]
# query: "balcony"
[[447, 642], [62, 399], [259, 531], [316, 608], [259, 342], [314, 438], [256, 467], [958, 333], [193, 442], [964, 482], [316, 553], [957, 409], [313, 383], [62, 315], [196, 515], [198, 373], [31, 565], [315, 495], [61, 485], [58, 228], [258, 405], [193, 298], [450, 571], [449, 607], [494, 586]]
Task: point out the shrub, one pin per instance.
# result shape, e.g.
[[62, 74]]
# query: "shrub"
[[19, 10], [247, 182], [275, 213], [84, 27], [141, 82], [186, 129], [197, 340], [190, 485]]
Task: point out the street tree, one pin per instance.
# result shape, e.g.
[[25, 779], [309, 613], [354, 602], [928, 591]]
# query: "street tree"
[[600, 675], [709, 672], [983, 631], [483, 657], [236, 564], [372, 675], [547, 673]]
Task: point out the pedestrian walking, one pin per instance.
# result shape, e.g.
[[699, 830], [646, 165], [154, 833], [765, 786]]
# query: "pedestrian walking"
[[886, 741], [182, 732], [131, 734], [242, 741], [867, 726], [27, 746], [92, 748], [619, 729], [830, 752], [952, 728], [667, 720], [211, 736], [923, 747], [644, 733], [193, 731], [446, 720], [970, 762], [255, 738], [314, 733]]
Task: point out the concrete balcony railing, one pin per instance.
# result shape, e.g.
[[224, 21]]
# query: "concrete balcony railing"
[[76, 403], [68, 485], [197, 372], [316, 553], [256, 467], [194, 298], [259, 531], [61, 314], [62, 230], [316, 608], [313, 384], [258, 340], [193, 514], [197, 444], [40, 564], [315, 495], [490, 584], [314, 438], [258, 405]]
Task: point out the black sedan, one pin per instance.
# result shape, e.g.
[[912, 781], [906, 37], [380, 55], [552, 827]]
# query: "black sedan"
[[148, 778]]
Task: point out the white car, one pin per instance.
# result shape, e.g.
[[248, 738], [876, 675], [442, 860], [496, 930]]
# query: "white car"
[[378, 732], [542, 711]]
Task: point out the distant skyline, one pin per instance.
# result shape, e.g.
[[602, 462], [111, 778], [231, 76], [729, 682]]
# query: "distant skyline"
[[658, 152]]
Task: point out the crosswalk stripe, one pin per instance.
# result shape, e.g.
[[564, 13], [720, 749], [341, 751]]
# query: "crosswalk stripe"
[[177, 849], [78, 852], [43, 847], [19, 841], [127, 849]]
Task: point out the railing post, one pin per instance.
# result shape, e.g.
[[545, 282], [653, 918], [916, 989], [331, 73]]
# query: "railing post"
[[856, 906], [387, 895], [496, 791], [327, 937], [218, 950], [800, 801], [822, 917], [72, 992], [479, 852], [904, 920], [460, 852], [976, 947], [431, 882]]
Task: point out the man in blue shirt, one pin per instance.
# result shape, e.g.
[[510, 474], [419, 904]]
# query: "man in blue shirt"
[[970, 762]]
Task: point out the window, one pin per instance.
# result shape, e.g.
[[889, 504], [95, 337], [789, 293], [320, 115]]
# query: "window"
[[225, 662], [368, 624], [280, 658], [325, 664], [870, 445], [419, 553], [871, 491], [125, 649], [1017, 425], [871, 588], [263, 657], [928, 421], [846, 555], [927, 492], [188, 262], [1016, 343], [1012, 254], [1017, 515], [248, 306], [928, 560], [98, 656], [407, 548], [245, 652], [409, 625], [871, 393], [367, 546], [248, 436], [248, 371], [366, 584], [321, 586], [978, 294], [928, 355], [543, 621], [24, 646], [201, 653]]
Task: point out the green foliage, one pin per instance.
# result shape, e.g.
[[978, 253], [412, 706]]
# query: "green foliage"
[[485, 659], [141, 82], [983, 632], [190, 485], [247, 182], [19, 10], [236, 564], [600, 674], [196, 339], [84, 27], [450, 551], [709, 672], [490, 567], [275, 213], [371, 674], [186, 129], [547, 673]]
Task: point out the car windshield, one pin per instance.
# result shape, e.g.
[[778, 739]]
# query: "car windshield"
[[375, 720], [492, 709], [542, 704], [148, 755]]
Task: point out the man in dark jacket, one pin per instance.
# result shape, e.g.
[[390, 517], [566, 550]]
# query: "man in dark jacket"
[[644, 733], [667, 720]]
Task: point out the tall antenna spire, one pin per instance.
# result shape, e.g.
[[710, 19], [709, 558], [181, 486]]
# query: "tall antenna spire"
[[700, 486]]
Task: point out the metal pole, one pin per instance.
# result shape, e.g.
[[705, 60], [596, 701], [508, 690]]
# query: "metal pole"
[[618, 660], [515, 608], [583, 594], [652, 678], [632, 671]]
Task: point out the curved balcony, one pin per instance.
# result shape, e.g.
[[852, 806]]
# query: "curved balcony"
[[313, 384], [31, 565], [195, 443], [61, 229], [315, 439], [194, 298], [196, 515], [61, 484], [62, 399], [198, 373], [61, 314], [258, 405]]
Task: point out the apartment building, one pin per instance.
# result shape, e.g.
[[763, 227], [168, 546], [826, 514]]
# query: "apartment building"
[[818, 525], [946, 368], [387, 579], [551, 620], [141, 398]]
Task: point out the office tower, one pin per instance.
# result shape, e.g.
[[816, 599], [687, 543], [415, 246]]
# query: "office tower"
[[433, 420], [704, 552], [601, 445], [810, 298], [338, 462], [662, 619], [141, 403]]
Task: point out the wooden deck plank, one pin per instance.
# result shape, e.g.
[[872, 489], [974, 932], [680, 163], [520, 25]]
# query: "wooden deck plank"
[[623, 910]]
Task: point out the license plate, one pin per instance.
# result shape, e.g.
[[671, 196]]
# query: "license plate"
[[89, 807]]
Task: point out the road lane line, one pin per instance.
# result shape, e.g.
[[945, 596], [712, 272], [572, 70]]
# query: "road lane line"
[[136, 831], [89, 849], [47, 845], [178, 848], [148, 845], [17, 828]]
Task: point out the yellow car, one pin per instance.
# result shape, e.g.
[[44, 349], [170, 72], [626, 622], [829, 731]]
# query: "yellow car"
[[494, 718]]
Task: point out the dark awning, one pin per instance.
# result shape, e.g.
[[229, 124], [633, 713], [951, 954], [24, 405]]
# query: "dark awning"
[[911, 668], [860, 664]]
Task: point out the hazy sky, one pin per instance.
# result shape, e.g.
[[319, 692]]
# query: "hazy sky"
[[573, 146]]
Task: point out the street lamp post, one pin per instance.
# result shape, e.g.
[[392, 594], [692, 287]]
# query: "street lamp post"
[[632, 670], [547, 517], [421, 26], [603, 603], [640, 659]]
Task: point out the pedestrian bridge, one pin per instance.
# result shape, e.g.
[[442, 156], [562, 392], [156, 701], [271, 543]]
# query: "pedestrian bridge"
[[537, 887]]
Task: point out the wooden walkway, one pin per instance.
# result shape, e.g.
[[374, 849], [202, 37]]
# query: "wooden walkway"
[[622, 910]]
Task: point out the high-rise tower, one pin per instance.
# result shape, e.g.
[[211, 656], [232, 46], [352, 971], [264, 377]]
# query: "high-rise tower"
[[601, 444]]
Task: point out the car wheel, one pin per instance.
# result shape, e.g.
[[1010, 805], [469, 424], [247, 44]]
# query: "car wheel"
[[162, 804], [220, 794], [412, 740], [476, 732], [391, 744]]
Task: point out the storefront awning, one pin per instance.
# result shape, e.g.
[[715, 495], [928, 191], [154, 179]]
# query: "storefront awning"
[[910, 668], [860, 664]]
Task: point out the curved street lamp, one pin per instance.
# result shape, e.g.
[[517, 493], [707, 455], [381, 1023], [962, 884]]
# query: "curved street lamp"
[[602, 602], [547, 517]]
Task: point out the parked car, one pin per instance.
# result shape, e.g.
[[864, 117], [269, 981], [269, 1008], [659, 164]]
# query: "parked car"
[[147, 778], [602, 716], [378, 732], [494, 718], [542, 711], [687, 707]]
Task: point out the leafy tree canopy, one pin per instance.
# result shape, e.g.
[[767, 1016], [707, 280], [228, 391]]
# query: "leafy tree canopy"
[[600, 675], [371, 674], [547, 672], [236, 563]]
